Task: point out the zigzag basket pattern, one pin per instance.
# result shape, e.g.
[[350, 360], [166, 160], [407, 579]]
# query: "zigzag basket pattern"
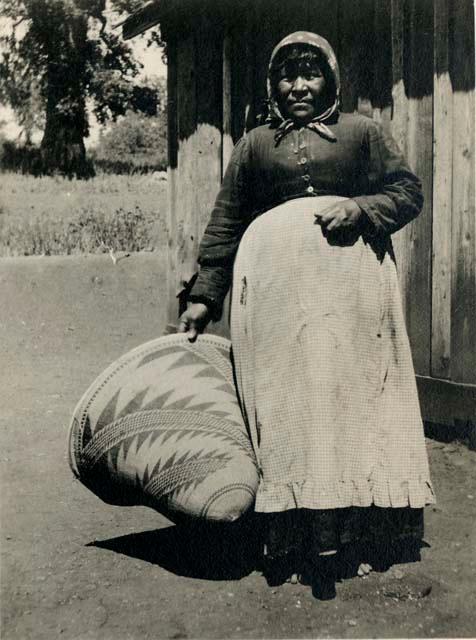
[[162, 427]]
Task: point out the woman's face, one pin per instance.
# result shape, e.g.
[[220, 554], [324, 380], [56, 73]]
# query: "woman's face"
[[301, 91]]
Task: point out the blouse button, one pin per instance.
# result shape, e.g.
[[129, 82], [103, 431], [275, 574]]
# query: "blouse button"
[[306, 178], [310, 189], [303, 161]]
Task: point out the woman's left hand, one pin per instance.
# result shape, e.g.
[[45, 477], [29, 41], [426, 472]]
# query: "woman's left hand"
[[341, 216]]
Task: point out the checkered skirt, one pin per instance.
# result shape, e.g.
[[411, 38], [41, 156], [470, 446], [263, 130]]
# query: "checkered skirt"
[[324, 369]]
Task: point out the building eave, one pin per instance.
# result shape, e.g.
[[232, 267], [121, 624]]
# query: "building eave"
[[142, 19]]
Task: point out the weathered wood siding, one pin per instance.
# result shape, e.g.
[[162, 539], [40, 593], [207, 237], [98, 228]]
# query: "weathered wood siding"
[[406, 63], [442, 196], [198, 129], [463, 289]]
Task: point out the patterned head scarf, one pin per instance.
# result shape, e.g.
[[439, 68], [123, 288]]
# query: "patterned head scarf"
[[275, 118]]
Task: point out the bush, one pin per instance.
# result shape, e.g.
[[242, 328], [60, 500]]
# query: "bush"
[[20, 158], [126, 166], [135, 144], [29, 159]]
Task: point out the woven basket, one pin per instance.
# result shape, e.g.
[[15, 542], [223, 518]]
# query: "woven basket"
[[162, 427]]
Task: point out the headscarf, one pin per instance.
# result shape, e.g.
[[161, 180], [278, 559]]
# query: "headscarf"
[[275, 117]]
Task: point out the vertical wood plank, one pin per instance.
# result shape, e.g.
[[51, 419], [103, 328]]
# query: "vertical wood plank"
[[242, 68], [419, 85], [442, 191], [323, 18], [399, 96], [206, 176], [356, 51], [295, 18], [205, 181], [348, 54], [463, 305], [399, 132], [227, 144], [186, 229], [381, 95], [271, 25], [242, 61], [172, 140]]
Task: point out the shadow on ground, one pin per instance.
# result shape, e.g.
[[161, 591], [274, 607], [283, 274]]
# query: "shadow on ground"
[[220, 552], [210, 552]]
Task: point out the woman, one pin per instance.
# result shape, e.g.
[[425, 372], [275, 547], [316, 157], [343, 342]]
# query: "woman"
[[322, 359]]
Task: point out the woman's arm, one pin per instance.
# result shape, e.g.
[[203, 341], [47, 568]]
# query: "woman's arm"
[[395, 196], [222, 235]]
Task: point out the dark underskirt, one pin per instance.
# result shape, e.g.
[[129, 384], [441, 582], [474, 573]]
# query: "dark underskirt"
[[310, 532]]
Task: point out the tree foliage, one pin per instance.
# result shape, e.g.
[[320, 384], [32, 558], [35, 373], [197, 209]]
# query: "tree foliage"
[[135, 143], [57, 54]]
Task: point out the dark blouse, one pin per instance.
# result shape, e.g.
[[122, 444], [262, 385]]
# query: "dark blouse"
[[363, 164]]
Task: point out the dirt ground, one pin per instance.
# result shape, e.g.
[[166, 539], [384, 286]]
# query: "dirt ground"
[[73, 567]]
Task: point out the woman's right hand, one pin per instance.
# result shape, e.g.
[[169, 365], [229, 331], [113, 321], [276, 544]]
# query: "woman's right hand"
[[194, 320]]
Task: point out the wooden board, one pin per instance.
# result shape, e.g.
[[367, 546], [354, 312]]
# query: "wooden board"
[[445, 402], [399, 131], [442, 192], [227, 143], [213, 124], [186, 219], [418, 78], [463, 304], [223, 327], [381, 93], [243, 51], [207, 162], [355, 51], [271, 25], [172, 140], [323, 18]]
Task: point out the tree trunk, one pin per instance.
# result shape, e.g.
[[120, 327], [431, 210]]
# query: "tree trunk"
[[62, 146]]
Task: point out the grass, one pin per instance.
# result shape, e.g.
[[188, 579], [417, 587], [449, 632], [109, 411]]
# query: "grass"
[[57, 216]]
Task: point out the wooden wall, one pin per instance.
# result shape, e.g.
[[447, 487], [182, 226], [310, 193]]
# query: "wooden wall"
[[407, 63], [195, 112]]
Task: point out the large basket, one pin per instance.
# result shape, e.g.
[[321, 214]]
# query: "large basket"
[[162, 427]]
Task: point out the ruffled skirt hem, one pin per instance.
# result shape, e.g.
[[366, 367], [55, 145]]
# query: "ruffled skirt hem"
[[306, 494]]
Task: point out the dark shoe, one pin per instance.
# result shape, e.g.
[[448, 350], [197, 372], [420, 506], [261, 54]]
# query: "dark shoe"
[[279, 570], [381, 556], [347, 562], [323, 578], [408, 550], [324, 588]]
